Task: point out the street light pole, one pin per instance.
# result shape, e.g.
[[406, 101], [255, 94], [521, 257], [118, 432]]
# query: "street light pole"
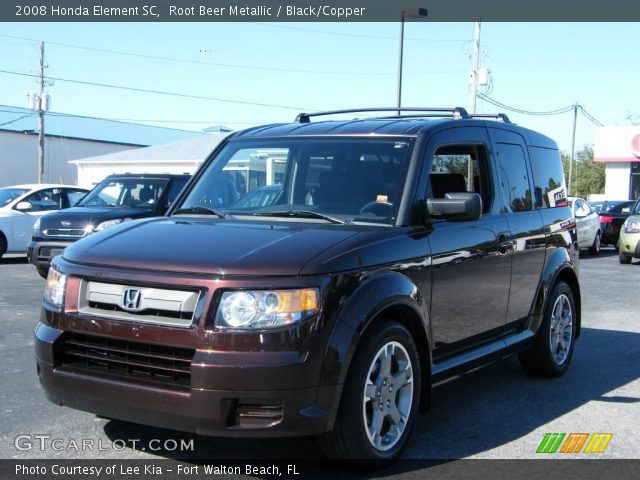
[[399, 103], [411, 13]]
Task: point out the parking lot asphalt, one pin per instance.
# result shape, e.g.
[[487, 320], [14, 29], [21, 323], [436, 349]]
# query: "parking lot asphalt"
[[495, 412]]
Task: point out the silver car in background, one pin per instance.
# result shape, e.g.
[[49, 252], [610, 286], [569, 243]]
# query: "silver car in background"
[[587, 225]]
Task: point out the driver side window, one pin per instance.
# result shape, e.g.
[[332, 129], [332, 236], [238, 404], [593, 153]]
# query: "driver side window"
[[461, 168], [45, 200]]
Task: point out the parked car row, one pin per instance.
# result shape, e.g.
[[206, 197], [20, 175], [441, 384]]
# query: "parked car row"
[[117, 199], [44, 219], [612, 216]]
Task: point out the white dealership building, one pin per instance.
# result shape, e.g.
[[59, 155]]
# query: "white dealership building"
[[619, 149]]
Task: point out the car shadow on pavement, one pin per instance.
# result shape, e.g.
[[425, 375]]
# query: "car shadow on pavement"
[[477, 412], [13, 260], [609, 252]]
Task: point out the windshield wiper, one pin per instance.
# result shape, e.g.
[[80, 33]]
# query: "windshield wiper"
[[301, 214], [202, 211]]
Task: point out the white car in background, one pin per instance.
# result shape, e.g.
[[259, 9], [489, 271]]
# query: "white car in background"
[[22, 205], [587, 225]]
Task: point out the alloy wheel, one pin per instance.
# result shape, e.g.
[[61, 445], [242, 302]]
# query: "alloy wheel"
[[561, 334], [388, 396]]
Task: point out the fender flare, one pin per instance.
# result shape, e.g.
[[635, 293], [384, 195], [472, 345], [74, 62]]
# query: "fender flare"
[[377, 293], [558, 267]]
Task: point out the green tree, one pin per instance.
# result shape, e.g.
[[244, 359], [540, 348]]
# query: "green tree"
[[588, 176]]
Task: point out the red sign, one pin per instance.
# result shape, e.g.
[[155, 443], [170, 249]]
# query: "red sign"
[[635, 146]]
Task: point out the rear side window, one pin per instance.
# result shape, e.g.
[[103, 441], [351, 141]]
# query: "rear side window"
[[548, 178], [514, 178]]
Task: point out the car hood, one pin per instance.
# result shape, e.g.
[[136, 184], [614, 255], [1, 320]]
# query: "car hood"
[[80, 217], [634, 218], [209, 246]]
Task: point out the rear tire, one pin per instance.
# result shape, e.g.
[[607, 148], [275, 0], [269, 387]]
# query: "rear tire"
[[380, 399], [552, 350], [3, 245], [43, 271], [595, 248], [624, 258]]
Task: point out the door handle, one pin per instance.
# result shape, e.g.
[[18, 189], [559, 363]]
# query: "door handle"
[[506, 243]]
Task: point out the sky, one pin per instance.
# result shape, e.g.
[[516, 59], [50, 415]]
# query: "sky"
[[257, 73]]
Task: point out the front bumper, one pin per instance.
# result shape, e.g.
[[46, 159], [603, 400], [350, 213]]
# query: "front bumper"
[[41, 252], [629, 243], [220, 399]]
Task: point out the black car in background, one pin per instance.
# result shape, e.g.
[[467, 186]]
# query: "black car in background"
[[612, 213], [117, 199]]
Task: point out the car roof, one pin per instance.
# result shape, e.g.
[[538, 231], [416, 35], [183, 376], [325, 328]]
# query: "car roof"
[[149, 175], [410, 125], [39, 186]]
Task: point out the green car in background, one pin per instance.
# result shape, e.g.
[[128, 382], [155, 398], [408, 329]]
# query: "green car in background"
[[629, 241]]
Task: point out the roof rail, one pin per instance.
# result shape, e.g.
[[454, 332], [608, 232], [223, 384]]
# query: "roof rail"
[[457, 112], [500, 117]]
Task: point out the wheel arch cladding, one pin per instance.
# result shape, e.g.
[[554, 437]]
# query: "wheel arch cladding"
[[381, 297]]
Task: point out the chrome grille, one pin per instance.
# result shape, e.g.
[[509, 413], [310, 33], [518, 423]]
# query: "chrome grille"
[[136, 362], [160, 306], [64, 232]]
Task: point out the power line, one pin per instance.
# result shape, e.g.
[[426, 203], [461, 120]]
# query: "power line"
[[590, 117], [496, 103], [112, 119], [558, 111], [219, 64], [157, 92]]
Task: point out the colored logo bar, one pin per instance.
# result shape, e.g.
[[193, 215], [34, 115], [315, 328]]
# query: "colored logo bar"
[[574, 442]]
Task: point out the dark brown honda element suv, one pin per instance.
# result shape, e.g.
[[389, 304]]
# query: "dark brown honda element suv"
[[316, 278]]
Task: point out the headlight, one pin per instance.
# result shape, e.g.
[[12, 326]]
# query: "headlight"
[[631, 227], [110, 223], [36, 227], [55, 287], [266, 308]]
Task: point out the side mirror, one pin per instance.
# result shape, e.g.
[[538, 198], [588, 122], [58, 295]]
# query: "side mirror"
[[24, 206], [461, 206]]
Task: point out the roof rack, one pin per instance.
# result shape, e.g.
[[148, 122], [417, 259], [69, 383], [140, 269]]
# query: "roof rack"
[[456, 113], [500, 117]]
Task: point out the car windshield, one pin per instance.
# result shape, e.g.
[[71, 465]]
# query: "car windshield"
[[597, 206], [126, 192], [337, 180], [636, 209], [7, 195]]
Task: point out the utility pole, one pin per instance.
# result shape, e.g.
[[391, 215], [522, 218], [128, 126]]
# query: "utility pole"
[[41, 117], [474, 92], [474, 68], [573, 146], [410, 13]]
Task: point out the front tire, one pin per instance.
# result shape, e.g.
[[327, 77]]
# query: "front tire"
[[380, 399], [552, 350], [595, 248], [624, 258]]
